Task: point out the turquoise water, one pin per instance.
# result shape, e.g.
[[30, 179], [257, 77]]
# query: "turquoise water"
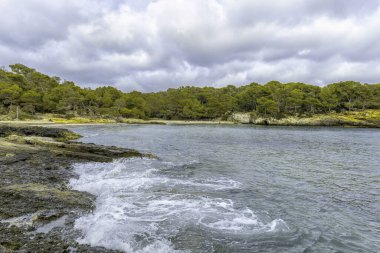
[[234, 189]]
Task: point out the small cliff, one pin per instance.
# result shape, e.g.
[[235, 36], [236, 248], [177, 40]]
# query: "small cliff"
[[367, 118]]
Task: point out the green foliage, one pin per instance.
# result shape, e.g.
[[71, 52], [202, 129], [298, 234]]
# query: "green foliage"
[[30, 101], [266, 106], [9, 94], [34, 92]]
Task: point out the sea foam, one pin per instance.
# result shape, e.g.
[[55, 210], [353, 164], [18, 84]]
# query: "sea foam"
[[139, 208]]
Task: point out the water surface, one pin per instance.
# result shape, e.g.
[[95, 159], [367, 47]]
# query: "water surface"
[[234, 189]]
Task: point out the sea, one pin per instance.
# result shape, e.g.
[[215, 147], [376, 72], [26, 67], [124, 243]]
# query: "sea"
[[233, 188]]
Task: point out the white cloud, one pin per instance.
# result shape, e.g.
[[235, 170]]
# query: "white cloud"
[[154, 45]]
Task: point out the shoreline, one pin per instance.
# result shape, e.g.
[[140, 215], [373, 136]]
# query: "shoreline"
[[360, 119], [38, 208], [127, 122]]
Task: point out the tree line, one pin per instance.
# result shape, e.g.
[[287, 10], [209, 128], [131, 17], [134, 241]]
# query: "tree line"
[[34, 92]]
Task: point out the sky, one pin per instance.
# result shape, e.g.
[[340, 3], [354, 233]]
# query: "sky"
[[153, 45]]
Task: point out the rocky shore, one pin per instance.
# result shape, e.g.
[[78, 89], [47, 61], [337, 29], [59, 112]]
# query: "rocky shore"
[[37, 207], [368, 118]]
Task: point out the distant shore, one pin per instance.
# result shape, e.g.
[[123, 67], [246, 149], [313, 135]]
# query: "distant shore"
[[114, 122], [102, 121], [365, 118]]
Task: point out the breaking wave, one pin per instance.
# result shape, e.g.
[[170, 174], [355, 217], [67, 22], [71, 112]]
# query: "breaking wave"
[[142, 204]]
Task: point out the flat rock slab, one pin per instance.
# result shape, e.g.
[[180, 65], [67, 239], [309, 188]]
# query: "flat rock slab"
[[21, 199], [57, 133]]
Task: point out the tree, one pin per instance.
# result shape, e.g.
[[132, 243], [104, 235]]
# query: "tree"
[[36, 92], [192, 109], [247, 99], [347, 93], [279, 94], [329, 100], [21, 69], [295, 99], [9, 94], [373, 101], [266, 106], [120, 103], [30, 100]]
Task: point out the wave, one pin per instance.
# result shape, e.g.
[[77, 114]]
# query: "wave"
[[138, 207]]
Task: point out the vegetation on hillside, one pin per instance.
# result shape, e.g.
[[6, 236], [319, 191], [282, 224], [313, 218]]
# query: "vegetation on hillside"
[[33, 92]]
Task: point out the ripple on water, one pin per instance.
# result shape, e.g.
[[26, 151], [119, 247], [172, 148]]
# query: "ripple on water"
[[141, 207], [323, 182]]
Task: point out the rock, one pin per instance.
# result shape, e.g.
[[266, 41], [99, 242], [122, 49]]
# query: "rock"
[[14, 158], [21, 199], [240, 117], [17, 239], [56, 133], [85, 151], [37, 208], [351, 120]]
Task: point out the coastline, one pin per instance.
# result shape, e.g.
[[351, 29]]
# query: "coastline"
[[366, 118], [37, 206], [95, 121], [360, 119]]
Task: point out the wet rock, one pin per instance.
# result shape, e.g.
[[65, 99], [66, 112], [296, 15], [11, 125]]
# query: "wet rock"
[[20, 199], [15, 158], [37, 208], [16, 239]]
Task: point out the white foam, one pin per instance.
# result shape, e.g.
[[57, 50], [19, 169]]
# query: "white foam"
[[277, 225], [138, 208], [90, 135]]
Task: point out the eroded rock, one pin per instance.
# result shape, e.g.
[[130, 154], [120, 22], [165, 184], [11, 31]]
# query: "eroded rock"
[[56, 133], [37, 208], [21, 199]]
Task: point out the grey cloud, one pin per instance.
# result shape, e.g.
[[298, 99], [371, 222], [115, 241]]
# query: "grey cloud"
[[29, 23], [154, 45]]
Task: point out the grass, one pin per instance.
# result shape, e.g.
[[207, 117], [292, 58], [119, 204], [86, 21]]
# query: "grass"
[[81, 120], [364, 117]]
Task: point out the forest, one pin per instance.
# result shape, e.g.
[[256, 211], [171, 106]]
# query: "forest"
[[30, 92]]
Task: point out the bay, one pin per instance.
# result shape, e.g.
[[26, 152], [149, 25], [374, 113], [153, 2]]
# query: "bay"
[[234, 189]]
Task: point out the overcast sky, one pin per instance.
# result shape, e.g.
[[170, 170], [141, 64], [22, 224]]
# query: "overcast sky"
[[153, 45]]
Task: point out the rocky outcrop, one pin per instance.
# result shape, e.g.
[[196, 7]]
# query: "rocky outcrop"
[[241, 117], [41, 198], [87, 151], [56, 133], [316, 120], [37, 207]]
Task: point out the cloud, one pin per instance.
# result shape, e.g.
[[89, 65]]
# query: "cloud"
[[154, 45]]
